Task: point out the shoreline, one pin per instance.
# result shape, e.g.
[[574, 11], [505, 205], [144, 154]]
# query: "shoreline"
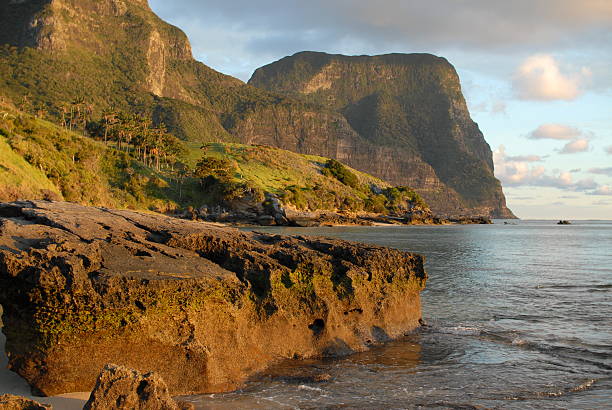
[[339, 220]]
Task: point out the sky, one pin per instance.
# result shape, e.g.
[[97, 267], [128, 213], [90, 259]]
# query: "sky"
[[537, 74]]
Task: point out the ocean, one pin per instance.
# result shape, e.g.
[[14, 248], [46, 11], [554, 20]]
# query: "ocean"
[[519, 316]]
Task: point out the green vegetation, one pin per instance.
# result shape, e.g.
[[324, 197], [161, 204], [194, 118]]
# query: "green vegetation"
[[304, 181], [42, 160], [335, 169]]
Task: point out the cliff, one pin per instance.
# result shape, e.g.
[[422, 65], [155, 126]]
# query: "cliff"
[[201, 305], [410, 111], [118, 53]]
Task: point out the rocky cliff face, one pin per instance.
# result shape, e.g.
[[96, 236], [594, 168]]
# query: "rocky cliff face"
[[412, 120], [401, 118], [201, 305]]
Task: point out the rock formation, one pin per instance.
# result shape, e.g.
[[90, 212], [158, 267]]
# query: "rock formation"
[[412, 122], [120, 388], [401, 118], [201, 305], [11, 402]]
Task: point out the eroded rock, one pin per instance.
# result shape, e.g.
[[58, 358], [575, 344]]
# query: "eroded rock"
[[11, 402], [118, 388], [203, 306]]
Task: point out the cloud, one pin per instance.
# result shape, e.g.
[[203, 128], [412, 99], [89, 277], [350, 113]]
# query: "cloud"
[[240, 35], [521, 173], [525, 158], [514, 172], [444, 22], [604, 190], [555, 132], [539, 77], [601, 171], [579, 139], [496, 107], [608, 149], [574, 147]]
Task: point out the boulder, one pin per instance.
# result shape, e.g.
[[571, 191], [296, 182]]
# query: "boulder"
[[266, 220], [10, 402], [203, 306], [120, 388]]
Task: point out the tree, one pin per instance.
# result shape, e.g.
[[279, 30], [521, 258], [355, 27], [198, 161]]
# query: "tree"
[[183, 172], [218, 168], [109, 121], [335, 169]]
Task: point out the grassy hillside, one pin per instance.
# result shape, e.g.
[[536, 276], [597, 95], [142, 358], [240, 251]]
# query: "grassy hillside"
[[18, 178], [41, 160], [306, 181]]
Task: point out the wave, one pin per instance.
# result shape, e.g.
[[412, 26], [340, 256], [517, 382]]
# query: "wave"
[[586, 385], [594, 356], [456, 330], [599, 287]]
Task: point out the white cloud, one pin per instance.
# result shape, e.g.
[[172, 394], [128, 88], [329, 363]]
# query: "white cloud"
[[539, 77], [240, 35], [604, 190], [608, 149], [579, 140], [520, 173], [514, 172], [574, 147], [555, 132], [525, 158]]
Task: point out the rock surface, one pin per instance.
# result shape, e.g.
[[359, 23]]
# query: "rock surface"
[[201, 305], [121, 388], [11, 402]]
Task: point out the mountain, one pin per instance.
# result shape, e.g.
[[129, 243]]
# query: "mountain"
[[119, 54], [410, 110]]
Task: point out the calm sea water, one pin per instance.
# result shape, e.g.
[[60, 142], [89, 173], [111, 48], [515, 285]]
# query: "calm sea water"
[[520, 317]]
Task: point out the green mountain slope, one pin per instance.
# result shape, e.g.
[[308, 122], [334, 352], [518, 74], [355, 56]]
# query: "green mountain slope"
[[41, 160]]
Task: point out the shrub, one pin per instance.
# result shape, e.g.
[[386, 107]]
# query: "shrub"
[[220, 168], [336, 170]]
